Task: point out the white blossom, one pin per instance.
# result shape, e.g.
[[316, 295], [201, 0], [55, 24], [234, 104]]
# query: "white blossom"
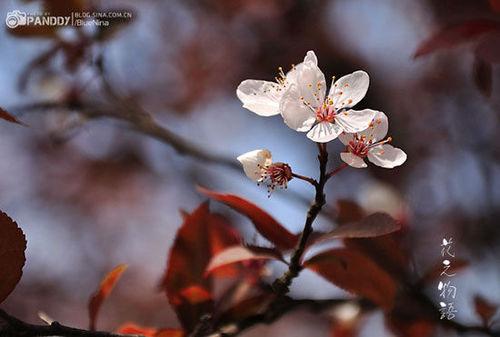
[[372, 144], [305, 108], [263, 97], [258, 166]]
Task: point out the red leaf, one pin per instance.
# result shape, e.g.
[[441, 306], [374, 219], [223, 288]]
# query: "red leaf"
[[484, 309], [12, 258], [8, 117], [134, 329], [201, 236], [376, 224], [455, 35], [105, 288], [355, 273], [264, 223], [348, 211], [495, 5], [482, 75], [237, 254], [387, 251]]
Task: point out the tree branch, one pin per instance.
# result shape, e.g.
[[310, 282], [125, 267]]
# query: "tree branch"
[[281, 286], [13, 327]]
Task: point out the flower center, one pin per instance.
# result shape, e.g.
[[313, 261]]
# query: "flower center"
[[275, 175], [360, 145], [326, 113]]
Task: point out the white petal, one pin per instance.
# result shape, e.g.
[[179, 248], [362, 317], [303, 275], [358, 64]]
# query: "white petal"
[[311, 57], [352, 160], [311, 83], [261, 97], [254, 161], [291, 76], [345, 137], [349, 89], [386, 156], [355, 120], [324, 132], [377, 129], [296, 114]]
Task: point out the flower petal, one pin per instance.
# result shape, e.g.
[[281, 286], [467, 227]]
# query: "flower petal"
[[345, 137], [324, 132], [377, 129], [355, 120], [296, 114], [349, 89], [311, 57], [353, 160], [311, 83], [260, 97], [386, 156], [291, 76], [254, 161]]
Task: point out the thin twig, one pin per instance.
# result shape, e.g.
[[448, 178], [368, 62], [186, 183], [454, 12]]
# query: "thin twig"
[[13, 327], [308, 179], [337, 170]]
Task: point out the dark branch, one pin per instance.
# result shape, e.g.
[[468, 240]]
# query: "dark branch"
[[13, 327], [281, 285]]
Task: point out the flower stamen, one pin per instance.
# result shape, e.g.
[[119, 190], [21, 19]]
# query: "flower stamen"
[[326, 113], [275, 175]]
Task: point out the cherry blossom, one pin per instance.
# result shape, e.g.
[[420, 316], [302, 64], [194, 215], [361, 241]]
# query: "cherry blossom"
[[259, 167], [305, 108], [263, 97], [372, 144]]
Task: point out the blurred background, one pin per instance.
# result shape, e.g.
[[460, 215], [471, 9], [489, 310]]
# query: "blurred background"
[[91, 193]]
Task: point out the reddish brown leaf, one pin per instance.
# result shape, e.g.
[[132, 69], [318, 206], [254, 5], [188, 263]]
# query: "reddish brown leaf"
[[348, 211], [134, 329], [201, 236], [374, 225], [495, 5], [12, 258], [353, 272], [264, 223], [8, 117], [455, 35], [387, 251], [485, 309], [105, 288], [483, 76], [237, 254]]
